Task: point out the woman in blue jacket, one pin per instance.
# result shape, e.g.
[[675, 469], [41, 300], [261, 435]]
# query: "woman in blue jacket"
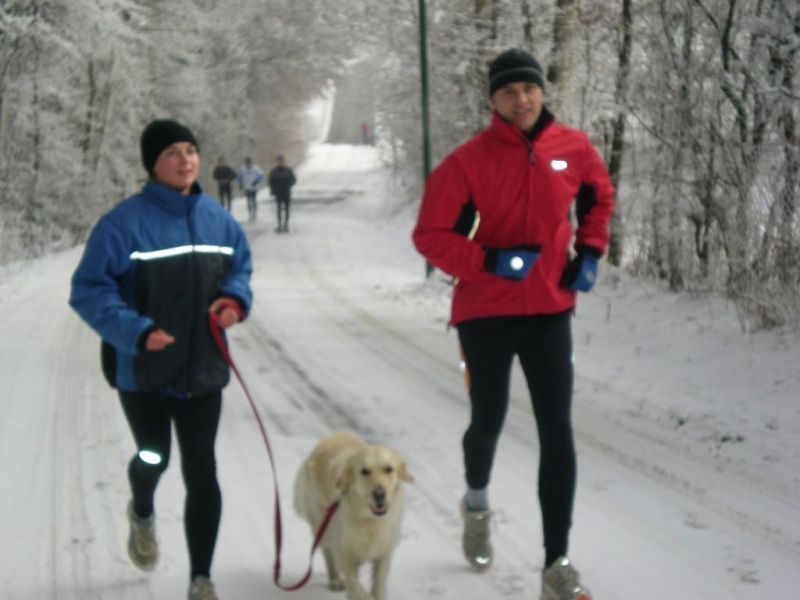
[[153, 268]]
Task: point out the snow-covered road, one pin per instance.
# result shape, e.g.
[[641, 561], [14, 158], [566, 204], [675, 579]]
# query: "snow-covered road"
[[344, 335]]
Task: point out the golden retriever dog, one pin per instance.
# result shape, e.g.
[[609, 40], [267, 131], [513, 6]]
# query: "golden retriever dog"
[[368, 482]]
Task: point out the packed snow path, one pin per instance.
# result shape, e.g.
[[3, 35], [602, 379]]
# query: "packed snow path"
[[344, 335]]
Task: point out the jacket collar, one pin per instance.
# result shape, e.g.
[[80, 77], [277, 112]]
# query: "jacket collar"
[[170, 200], [512, 134]]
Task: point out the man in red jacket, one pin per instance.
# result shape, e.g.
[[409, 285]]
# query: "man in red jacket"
[[496, 215]]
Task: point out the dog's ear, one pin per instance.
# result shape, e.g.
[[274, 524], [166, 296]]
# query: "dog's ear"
[[402, 469], [344, 479], [404, 474]]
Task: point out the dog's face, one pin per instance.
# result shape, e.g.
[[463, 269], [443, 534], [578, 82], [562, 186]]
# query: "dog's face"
[[372, 478]]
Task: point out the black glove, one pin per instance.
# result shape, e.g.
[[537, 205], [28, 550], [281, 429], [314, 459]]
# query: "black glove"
[[512, 263]]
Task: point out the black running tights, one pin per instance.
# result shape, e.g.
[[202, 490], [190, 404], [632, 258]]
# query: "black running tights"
[[543, 344], [196, 419]]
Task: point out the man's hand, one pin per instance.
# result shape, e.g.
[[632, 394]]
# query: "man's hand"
[[228, 311], [158, 340], [580, 273]]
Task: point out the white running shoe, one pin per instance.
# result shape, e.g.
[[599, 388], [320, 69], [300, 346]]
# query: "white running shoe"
[[475, 541], [142, 541], [560, 581], [202, 589]]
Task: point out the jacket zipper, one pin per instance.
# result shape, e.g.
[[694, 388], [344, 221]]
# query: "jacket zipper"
[[192, 324], [531, 164]]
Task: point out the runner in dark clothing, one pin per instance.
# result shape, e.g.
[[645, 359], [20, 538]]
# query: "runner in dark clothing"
[[281, 180], [224, 176]]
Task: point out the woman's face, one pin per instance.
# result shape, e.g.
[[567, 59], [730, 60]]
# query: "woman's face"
[[177, 166]]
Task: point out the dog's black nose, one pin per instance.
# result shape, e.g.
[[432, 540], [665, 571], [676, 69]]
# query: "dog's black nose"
[[379, 495]]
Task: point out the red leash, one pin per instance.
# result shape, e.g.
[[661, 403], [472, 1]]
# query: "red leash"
[[216, 331]]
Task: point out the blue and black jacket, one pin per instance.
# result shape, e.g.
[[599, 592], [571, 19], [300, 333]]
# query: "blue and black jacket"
[[157, 261]]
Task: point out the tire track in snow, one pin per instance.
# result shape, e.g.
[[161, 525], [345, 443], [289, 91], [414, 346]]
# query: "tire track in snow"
[[672, 467], [305, 392]]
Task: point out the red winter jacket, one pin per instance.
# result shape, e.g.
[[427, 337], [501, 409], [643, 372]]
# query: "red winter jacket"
[[522, 192]]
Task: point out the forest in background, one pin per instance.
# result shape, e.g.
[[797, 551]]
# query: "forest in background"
[[693, 103], [79, 79]]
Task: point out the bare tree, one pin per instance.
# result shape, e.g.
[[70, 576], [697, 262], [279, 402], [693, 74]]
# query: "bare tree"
[[560, 68], [618, 136]]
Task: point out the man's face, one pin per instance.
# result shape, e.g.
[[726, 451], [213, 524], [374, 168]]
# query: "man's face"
[[177, 166], [519, 103]]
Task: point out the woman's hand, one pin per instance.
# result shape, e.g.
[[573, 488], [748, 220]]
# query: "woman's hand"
[[228, 311], [158, 340]]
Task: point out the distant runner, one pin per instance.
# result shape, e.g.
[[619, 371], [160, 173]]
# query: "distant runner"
[[281, 180]]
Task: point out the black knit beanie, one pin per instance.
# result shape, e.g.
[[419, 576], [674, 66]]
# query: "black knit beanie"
[[158, 135], [512, 66]]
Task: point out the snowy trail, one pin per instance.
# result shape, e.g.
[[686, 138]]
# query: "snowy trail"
[[344, 336]]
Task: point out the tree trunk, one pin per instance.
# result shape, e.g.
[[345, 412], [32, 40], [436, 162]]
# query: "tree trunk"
[[474, 86], [527, 24], [788, 254], [681, 63], [560, 69], [618, 137]]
